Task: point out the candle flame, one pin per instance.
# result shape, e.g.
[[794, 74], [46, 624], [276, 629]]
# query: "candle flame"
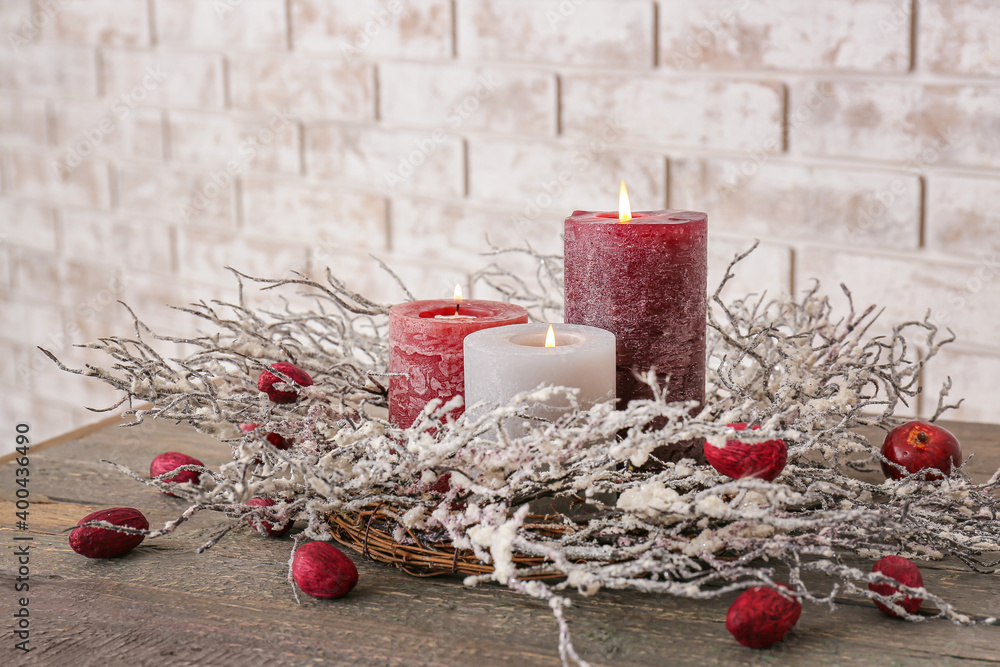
[[458, 292], [550, 337], [624, 210]]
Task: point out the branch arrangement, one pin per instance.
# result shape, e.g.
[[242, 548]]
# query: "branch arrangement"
[[794, 367]]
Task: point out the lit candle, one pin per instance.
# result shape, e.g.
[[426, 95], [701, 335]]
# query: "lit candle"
[[425, 345], [501, 363], [643, 276]]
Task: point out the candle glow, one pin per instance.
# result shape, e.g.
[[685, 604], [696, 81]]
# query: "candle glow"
[[458, 292], [550, 337], [624, 209]]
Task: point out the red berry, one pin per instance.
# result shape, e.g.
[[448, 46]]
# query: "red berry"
[[761, 617], [918, 446], [94, 542], [269, 528], [323, 571], [737, 459], [443, 484], [268, 379], [168, 461], [905, 572], [279, 441]]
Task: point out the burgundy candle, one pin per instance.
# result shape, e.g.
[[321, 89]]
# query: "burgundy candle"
[[644, 280], [426, 343]]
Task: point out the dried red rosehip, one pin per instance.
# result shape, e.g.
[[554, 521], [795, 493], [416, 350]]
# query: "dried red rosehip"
[[170, 460], [267, 527], [764, 460], [761, 617], [918, 446], [905, 572], [94, 542], [268, 379], [279, 441], [323, 571]]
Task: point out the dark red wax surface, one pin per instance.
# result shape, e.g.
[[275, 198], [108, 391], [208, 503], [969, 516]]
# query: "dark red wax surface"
[[430, 350], [646, 282]]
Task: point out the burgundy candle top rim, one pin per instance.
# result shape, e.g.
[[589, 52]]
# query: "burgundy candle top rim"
[[669, 216], [479, 310]]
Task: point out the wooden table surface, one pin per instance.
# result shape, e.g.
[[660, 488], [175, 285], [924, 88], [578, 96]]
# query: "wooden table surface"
[[164, 604]]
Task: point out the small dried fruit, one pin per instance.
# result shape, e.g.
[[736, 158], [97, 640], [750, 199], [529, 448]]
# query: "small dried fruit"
[[267, 381], [905, 572], [267, 527], [323, 571], [918, 446], [764, 460], [443, 484], [761, 617], [170, 460], [279, 441], [94, 542]]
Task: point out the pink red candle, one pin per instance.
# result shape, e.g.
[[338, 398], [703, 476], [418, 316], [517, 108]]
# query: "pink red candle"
[[644, 280], [425, 344]]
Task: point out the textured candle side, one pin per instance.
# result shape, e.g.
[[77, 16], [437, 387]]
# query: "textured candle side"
[[646, 282], [429, 353]]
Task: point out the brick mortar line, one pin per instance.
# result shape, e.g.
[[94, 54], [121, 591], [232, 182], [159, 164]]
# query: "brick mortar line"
[[860, 76], [833, 162], [571, 141], [917, 75], [885, 252]]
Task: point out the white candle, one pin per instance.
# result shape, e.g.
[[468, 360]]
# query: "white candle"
[[505, 361]]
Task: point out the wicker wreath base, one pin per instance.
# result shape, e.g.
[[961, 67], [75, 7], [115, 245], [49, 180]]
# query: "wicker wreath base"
[[370, 533]]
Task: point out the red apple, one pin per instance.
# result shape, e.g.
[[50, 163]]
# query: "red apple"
[[919, 446], [905, 572], [764, 460]]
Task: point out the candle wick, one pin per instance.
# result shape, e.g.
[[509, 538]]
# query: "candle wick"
[[457, 306]]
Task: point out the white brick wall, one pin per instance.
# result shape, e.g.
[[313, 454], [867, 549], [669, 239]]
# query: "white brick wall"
[[305, 85], [978, 24], [251, 25], [414, 130], [507, 100], [362, 29], [665, 111], [596, 33], [765, 198], [786, 35]]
